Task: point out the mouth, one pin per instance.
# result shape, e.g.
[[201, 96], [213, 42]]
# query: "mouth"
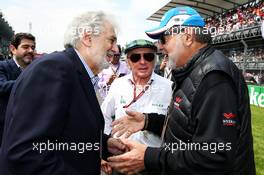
[[29, 56], [143, 69]]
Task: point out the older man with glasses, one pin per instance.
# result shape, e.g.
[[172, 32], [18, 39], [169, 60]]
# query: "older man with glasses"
[[142, 90]]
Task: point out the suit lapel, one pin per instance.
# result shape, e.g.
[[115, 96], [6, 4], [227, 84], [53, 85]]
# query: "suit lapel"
[[86, 85], [14, 69]]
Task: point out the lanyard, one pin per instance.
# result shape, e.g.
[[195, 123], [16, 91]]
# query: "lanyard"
[[135, 98], [115, 71]]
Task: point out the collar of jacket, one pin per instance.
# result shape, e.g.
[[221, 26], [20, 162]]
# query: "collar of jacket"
[[179, 74]]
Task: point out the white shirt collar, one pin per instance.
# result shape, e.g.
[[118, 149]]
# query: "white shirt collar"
[[17, 63], [94, 78], [130, 77], [88, 69]]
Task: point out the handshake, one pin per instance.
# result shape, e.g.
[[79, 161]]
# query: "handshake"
[[128, 155]]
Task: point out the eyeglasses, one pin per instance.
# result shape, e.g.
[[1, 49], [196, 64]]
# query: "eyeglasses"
[[116, 55], [163, 39], [147, 56], [171, 31]]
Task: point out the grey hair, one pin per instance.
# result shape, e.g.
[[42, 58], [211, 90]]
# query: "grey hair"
[[91, 22]]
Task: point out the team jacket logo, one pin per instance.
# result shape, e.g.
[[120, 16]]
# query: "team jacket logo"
[[229, 119], [177, 102], [229, 115]]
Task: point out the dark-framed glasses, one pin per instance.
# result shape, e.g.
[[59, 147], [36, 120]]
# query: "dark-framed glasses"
[[135, 57], [171, 31], [117, 55]]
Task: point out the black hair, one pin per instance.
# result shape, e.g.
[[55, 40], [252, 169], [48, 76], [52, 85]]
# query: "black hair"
[[119, 49], [16, 40], [203, 37]]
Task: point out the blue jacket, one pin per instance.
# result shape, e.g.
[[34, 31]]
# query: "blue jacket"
[[8, 75]]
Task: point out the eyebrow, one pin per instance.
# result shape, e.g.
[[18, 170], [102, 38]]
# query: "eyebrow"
[[28, 45], [114, 38]]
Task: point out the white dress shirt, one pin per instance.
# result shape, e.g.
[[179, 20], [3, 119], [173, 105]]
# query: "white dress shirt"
[[17, 63], [156, 99]]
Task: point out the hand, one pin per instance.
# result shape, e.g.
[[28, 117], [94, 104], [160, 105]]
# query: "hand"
[[164, 62], [105, 167], [111, 79], [115, 146], [127, 125], [131, 162]]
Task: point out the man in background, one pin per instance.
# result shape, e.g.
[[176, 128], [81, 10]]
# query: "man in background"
[[116, 69], [22, 48]]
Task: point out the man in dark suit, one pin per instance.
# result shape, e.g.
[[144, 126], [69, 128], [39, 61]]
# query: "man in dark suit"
[[2, 57], [54, 125], [22, 48]]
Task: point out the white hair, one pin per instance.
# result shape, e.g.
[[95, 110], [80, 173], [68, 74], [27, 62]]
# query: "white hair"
[[92, 22]]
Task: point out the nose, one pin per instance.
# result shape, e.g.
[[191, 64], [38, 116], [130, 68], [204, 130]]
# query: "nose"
[[115, 48], [142, 60], [161, 46], [30, 49]]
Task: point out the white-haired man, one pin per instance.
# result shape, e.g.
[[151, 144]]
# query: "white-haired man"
[[54, 124]]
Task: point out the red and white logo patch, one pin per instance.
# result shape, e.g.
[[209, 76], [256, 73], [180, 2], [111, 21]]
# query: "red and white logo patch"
[[228, 119], [177, 102]]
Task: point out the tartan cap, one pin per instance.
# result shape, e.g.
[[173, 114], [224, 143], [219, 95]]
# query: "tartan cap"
[[139, 43]]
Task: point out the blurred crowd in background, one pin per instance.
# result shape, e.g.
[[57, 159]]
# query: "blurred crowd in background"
[[245, 16]]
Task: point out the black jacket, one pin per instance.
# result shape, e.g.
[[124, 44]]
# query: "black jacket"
[[8, 75], [54, 102], [208, 128]]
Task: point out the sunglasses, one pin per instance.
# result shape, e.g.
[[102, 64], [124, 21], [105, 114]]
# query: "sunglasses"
[[147, 56], [162, 39], [171, 31]]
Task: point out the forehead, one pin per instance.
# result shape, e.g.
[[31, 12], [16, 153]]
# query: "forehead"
[[27, 42], [141, 50], [109, 29]]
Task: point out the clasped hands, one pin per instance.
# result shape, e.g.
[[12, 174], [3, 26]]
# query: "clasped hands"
[[128, 155]]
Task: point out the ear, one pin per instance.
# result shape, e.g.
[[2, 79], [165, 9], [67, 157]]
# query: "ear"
[[189, 37], [87, 39], [188, 40], [12, 49], [128, 63]]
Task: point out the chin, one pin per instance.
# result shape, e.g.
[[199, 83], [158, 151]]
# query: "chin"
[[144, 75], [27, 61], [104, 65]]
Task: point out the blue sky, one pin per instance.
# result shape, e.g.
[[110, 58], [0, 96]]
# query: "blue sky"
[[50, 18]]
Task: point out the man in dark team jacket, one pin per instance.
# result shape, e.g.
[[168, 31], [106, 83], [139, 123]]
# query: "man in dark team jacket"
[[208, 126]]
